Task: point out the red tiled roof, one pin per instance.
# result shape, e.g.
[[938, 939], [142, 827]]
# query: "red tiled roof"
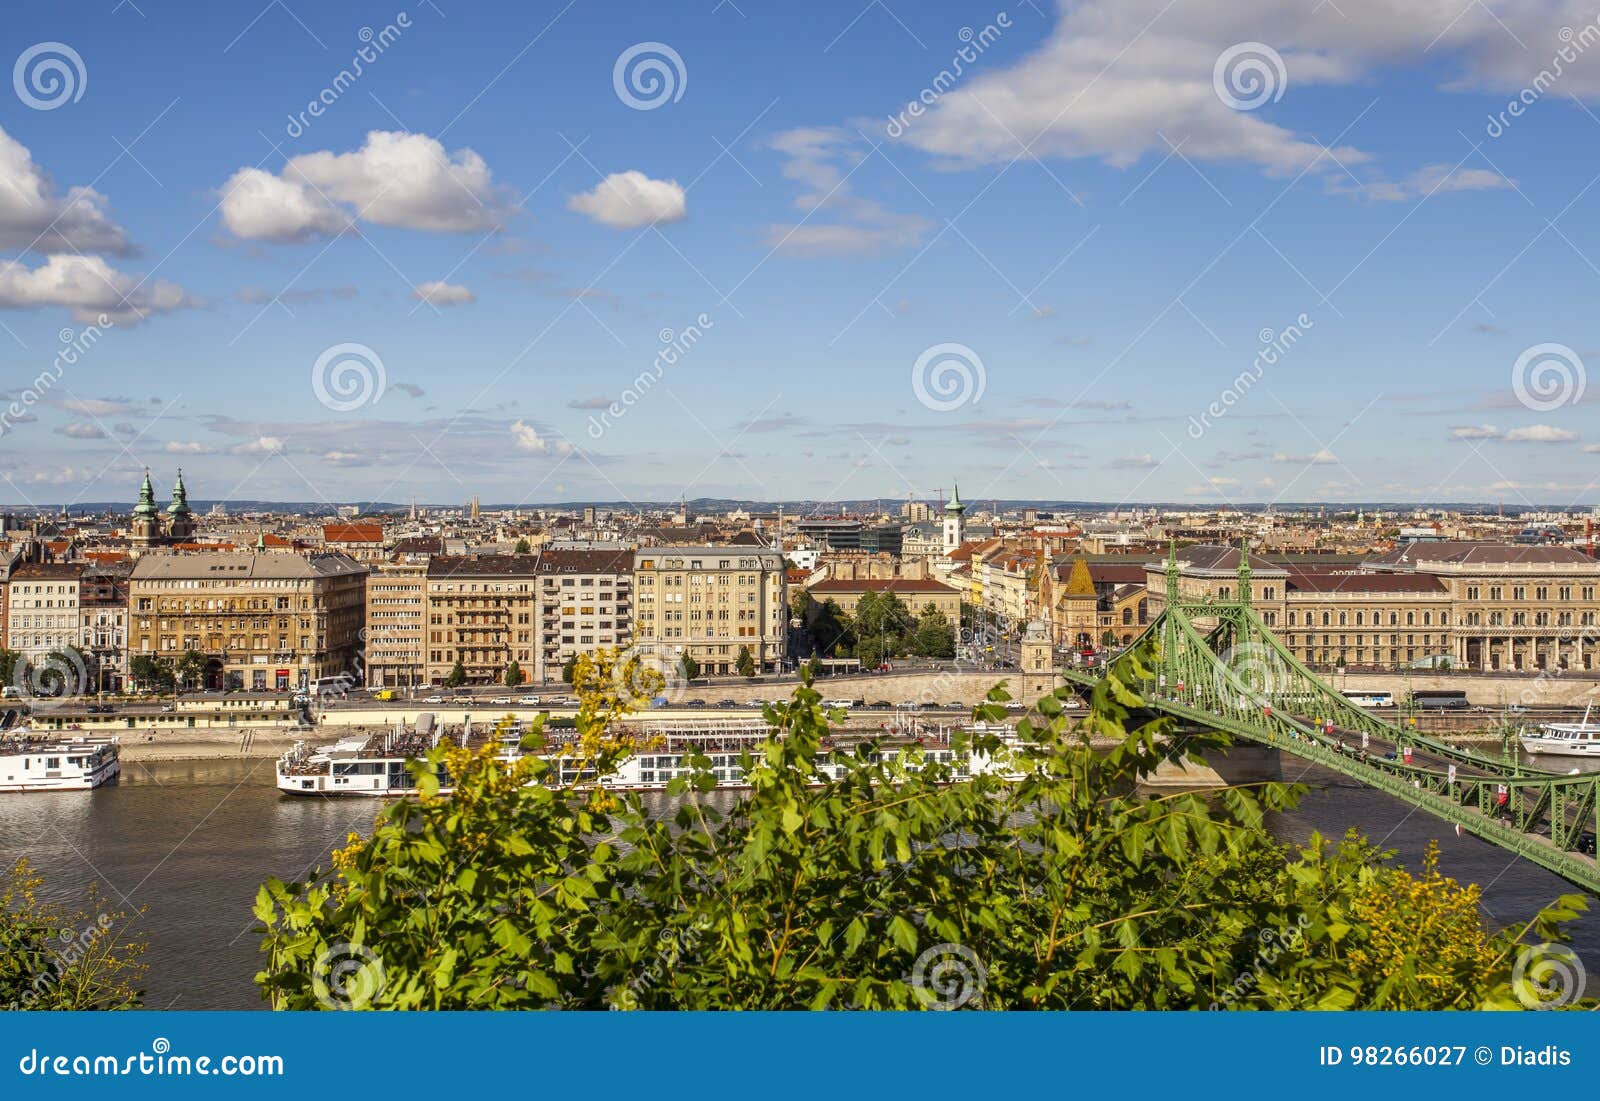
[[352, 533], [887, 584]]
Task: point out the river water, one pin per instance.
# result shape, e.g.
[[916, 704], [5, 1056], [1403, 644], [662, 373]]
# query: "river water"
[[191, 842]]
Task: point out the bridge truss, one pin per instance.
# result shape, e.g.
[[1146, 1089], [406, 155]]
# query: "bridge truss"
[[1219, 666]]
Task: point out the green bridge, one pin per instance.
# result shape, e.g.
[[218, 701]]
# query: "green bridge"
[[1218, 666]]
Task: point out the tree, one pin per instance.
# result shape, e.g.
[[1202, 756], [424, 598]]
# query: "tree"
[[1108, 638], [57, 957], [190, 669], [832, 634], [523, 547], [64, 672], [569, 668], [689, 667], [514, 675], [1058, 885], [934, 637], [8, 665], [884, 618], [151, 673], [745, 665], [800, 605], [457, 675]]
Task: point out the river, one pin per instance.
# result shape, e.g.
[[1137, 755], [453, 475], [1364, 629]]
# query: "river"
[[191, 841]]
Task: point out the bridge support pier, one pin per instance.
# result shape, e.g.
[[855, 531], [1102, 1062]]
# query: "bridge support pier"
[[1239, 764]]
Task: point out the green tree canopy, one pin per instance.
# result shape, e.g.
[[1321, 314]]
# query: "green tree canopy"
[[688, 666], [568, 668], [1047, 882], [152, 673], [457, 675], [745, 664], [934, 637], [57, 957], [522, 547], [514, 675]]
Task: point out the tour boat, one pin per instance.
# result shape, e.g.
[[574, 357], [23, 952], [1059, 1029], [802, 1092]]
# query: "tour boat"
[[37, 762], [1565, 739], [375, 765]]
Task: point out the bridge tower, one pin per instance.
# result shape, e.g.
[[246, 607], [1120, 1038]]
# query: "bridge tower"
[[1244, 572], [1038, 662]]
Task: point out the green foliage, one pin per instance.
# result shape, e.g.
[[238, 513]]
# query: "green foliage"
[[56, 957], [1049, 881], [568, 668], [522, 547], [8, 665], [152, 673], [688, 666], [190, 669], [934, 637], [514, 675], [745, 666], [457, 675]]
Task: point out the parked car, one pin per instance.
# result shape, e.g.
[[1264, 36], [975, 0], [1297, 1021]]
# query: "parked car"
[[881, 705], [727, 703], [501, 699], [755, 703], [433, 699], [529, 701], [694, 703]]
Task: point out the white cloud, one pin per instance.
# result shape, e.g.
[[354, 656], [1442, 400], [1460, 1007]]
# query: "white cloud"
[[442, 294], [1475, 432], [89, 286], [395, 179], [262, 445], [1428, 180], [1591, 449], [628, 200], [858, 226], [345, 458], [94, 407], [1322, 457], [1146, 461], [527, 438], [1121, 80], [34, 216], [185, 447], [82, 430], [1540, 433]]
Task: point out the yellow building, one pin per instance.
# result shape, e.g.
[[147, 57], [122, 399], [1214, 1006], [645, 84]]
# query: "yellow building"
[[709, 602]]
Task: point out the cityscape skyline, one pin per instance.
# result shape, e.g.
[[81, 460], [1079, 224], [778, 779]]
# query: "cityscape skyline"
[[639, 259]]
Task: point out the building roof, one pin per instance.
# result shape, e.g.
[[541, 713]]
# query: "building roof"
[[585, 561], [1419, 555], [352, 533], [481, 565], [1362, 581], [223, 565], [47, 571], [1212, 559]]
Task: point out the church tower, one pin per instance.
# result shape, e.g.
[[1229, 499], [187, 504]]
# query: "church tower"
[[145, 530], [180, 519], [955, 524]]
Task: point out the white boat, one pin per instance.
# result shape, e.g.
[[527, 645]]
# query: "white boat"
[[1564, 739], [375, 766], [39, 762]]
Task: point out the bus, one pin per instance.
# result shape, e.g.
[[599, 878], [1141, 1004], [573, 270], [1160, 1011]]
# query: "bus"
[[337, 685], [1369, 699], [1439, 699]]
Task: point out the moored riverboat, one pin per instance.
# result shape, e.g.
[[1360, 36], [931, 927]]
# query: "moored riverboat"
[[40, 762]]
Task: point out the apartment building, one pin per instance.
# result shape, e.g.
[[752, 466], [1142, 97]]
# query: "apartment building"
[[482, 610], [44, 612], [586, 603], [264, 621], [709, 602], [103, 603], [393, 637]]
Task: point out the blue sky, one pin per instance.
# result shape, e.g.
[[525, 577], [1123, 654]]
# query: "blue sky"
[[1094, 218]]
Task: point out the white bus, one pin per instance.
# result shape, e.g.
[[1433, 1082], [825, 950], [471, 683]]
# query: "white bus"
[[1369, 699], [337, 685]]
